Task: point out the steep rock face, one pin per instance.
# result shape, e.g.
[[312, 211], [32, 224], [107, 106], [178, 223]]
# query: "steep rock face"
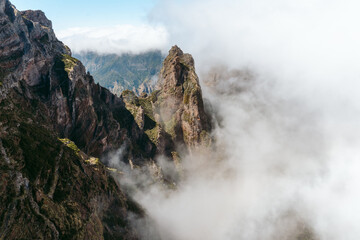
[[173, 115], [145, 87], [37, 16], [179, 102], [80, 110], [144, 111], [27, 47], [90, 115], [49, 189]]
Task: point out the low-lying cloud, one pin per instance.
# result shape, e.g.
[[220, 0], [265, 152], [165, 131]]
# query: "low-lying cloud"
[[283, 80], [286, 160], [115, 39], [254, 181]]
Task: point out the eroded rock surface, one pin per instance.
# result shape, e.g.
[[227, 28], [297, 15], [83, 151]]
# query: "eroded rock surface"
[[49, 190], [173, 116], [55, 122], [96, 120]]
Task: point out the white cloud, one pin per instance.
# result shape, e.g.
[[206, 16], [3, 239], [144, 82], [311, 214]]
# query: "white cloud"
[[287, 153], [116, 39], [316, 40]]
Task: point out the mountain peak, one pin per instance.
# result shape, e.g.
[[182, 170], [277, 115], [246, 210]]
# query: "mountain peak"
[[175, 51], [176, 67], [181, 106], [177, 56], [37, 16]]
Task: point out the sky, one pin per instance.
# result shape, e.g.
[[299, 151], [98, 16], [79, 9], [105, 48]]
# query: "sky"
[[111, 26], [81, 13]]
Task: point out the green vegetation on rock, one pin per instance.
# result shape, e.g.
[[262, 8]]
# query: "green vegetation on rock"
[[69, 62], [153, 134], [70, 144], [170, 127], [53, 188], [190, 89], [145, 103]]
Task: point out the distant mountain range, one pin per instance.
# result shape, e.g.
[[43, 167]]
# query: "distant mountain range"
[[136, 72]]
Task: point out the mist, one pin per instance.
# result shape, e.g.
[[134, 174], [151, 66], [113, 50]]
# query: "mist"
[[282, 78]]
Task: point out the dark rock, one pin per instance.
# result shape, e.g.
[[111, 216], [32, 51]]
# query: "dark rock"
[[50, 190], [54, 120], [80, 109], [37, 16]]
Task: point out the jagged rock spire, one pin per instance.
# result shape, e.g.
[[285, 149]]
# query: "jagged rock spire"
[[181, 106]]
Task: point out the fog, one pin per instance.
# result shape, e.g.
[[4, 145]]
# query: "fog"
[[282, 78]]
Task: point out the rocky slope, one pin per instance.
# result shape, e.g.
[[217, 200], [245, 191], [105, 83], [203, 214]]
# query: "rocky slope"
[[56, 188], [79, 109], [49, 188]]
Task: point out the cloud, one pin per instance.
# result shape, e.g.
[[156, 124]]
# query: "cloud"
[[288, 40], [283, 80], [286, 159], [116, 39]]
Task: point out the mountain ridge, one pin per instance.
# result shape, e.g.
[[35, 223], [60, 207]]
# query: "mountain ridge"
[[136, 72], [54, 124]]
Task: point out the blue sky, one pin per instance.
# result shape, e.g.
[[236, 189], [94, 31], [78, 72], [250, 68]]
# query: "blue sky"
[[84, 13]]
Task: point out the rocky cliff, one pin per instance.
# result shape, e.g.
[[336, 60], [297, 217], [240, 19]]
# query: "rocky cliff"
[[179, 100], [90, 115], [50, 189], [55, 122], [173, 116]]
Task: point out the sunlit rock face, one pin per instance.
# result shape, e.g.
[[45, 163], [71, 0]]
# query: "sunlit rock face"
[[180, 103], [173, 116]]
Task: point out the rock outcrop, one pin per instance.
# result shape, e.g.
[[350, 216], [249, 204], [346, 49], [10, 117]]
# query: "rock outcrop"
[[96, 120], [55, 122], [51, 189], [173, 116], [179, 100], [145, 87]]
